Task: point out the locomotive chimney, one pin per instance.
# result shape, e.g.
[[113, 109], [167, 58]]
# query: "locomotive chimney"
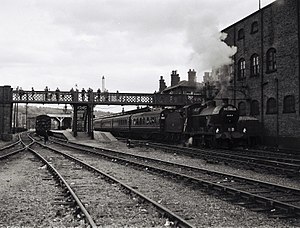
[[225, 101], [211, 104], [174, 78], [192, 76], [162, 84]]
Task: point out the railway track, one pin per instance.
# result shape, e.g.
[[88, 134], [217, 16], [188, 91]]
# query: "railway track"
[[77, 176], [286, 164], [30, 192], [278, 201], [12, 149]]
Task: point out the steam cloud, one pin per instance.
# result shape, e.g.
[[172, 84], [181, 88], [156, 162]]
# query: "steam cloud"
[[209, 50]]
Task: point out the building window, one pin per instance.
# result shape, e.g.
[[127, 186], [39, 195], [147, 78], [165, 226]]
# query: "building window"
[[289, 104], [271, 106], [242, 69], [241, 34], [254, 27], [254, 65], [271, 60], [254, 108], [242, 108]]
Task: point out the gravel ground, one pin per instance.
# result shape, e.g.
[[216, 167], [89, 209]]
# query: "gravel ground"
[[186, 160], [27, 191], [105, 201], [199, 208]]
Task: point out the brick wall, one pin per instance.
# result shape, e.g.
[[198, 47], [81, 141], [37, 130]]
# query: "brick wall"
[[280, 31]]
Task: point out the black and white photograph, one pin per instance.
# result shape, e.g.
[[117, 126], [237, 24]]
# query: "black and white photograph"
[[149, 113]]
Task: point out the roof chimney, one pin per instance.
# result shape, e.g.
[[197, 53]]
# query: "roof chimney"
[[174, 78], [192, 76], [162, 84]]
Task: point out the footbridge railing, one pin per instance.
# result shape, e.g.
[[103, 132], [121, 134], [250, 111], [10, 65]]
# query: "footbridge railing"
[[104, 98]]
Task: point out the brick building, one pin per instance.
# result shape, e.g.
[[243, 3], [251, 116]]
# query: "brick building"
[[266, 73]]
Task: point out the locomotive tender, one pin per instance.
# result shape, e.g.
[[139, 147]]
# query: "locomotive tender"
[[207, 124]]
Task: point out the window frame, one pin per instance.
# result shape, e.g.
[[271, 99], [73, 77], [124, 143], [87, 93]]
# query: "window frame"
[[271, 106], [289, 104], [254, 27], [241, 69], [241, 34], [254, 65], [271, 64], [242, 111], [254, 108]]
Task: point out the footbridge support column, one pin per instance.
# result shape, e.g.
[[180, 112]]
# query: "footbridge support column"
[[83, 119], [6, 106], [74, 124], [90, 116]]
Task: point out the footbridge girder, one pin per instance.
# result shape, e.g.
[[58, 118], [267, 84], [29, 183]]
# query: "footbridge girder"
[[105, 98]]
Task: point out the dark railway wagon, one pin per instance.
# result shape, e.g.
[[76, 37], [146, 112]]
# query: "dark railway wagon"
[[42, 124]]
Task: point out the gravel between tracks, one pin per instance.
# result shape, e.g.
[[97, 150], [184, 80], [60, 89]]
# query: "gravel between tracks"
[[27, 193], [20, 207], [211, 212]]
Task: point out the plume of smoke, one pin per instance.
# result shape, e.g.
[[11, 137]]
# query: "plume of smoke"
[[209, 50]]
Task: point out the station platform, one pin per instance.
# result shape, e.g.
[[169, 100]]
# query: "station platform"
[[99, 136]]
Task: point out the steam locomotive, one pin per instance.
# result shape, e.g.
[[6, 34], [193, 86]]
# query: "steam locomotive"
[[42, 124], [198, 124]]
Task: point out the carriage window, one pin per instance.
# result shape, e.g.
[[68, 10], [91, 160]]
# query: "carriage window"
[[289, 104]]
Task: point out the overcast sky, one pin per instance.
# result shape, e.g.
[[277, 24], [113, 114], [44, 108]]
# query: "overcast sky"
[[131, 42]]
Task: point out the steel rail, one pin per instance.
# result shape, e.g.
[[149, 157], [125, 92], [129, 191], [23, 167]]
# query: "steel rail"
[[87, 216], [288, 167], [11, 153], [10, 145], [178, 221], [217, 186]]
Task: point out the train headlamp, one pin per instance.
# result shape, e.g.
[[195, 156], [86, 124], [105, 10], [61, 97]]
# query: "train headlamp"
[[217, 130], [244, 130]]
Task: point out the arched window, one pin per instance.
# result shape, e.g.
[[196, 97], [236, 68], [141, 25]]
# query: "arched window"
[[289, 104], [271, 106], [254, 27], [242, 108], [271, 60], [254, 111], [254, 68], [241, 34], [241, 69]]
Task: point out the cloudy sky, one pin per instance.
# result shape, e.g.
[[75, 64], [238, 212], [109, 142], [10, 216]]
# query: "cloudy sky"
[[131, 42]]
